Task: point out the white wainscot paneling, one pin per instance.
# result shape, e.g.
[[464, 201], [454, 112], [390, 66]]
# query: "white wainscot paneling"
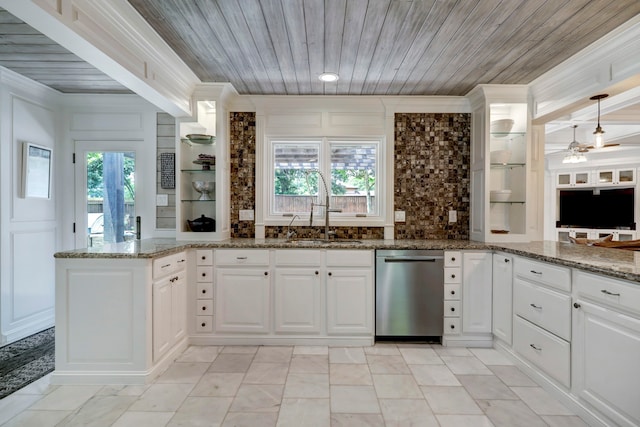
[[107, 121], [109, 338], [293, 123], [373, 123]]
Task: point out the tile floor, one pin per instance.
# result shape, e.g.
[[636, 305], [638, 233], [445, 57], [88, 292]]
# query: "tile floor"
[[384, 385]]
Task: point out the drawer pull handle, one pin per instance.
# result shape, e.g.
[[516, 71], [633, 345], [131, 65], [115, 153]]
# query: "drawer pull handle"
[[533, 346], [166, 265], [536, 272], [181, 260], [241, 257], [606, 292], [537, 307]]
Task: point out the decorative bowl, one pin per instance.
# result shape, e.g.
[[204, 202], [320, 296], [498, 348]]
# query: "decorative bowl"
[[500, 156], [501, 127], [500, 195], [204, 188]]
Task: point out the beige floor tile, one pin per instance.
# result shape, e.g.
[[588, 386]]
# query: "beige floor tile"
[[421, 356], [346, 355], [564, 421], [396, 387], [512, 376], [30, 418], [387, 365], [354, 399], [187, 372], [359, 420], [382, 350], [13, 404], [100, 411], [307, 386], [201, 411], [229, 363], [407, 412], [350, 374], [162, 398], [273, 354], [317, 350], [216, 384], [123, 390], [490, 356], [257, 398], [309, 364], [434, 375], [250, 419], [510, 413], [486, 387], [463, 365], [197, 353], [452, 351], [146, 419], [305, 412], [67, 397], [240, 349], [464, 421], [540, 401], [266, 373], [450, 400]]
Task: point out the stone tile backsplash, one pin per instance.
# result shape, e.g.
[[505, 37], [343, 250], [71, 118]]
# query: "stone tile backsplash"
[[431, 177]]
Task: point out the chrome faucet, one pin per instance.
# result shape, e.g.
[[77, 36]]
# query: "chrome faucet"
[[326, 205], [291, 233]]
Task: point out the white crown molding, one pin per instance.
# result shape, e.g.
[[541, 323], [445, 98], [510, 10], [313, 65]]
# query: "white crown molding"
[[610, 64], [19, 83], [113, 37]]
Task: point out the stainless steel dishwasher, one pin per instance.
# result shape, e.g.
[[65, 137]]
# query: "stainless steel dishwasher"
[[409, 294]]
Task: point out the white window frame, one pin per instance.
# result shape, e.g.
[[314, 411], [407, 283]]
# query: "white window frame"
[[324, 165]]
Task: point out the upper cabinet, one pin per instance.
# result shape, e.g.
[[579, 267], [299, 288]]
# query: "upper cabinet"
[[202, 175], [506, 166]]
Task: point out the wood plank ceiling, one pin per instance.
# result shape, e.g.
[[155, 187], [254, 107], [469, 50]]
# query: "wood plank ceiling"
[[384, 47], [30, 53]]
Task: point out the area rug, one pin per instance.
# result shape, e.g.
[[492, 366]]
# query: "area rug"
[[25, 361]]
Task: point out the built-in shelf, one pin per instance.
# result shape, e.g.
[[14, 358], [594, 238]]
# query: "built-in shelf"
[[507, 134], [196, 201], [508, 202], [506, 165]]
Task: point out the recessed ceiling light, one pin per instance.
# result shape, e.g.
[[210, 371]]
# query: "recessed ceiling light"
[[328, 77]]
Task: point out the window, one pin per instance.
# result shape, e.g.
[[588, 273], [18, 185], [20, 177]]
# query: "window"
[[300, 171]]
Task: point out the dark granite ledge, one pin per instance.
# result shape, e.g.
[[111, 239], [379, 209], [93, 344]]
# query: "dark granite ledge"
[[618, 263]]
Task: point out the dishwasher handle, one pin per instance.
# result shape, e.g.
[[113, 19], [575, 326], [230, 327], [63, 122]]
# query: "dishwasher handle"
[[413, 258]]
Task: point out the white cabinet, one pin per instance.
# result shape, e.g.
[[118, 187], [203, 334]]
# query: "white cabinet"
[[169, 303], [574, 179], [476, 292], [204, 291], [606, 347], [502, 320], [622, 176], [452, 292], [349, 301], [297, 291]]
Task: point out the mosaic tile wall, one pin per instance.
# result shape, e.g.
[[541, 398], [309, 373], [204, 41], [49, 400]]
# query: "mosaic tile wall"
[[432, 174], [242, 151]]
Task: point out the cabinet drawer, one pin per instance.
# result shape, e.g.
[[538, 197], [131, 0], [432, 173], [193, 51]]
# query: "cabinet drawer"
[[204, 323], [451, 325], [169, 264], [453, 259], [204, 307], [452, 308], [546, 308], [204, 274], [241, 257], [204, 257], [615, 293], [349, 258], [451, 291], [204, 290], [551, 275], [548, 352], [298, 257], [452, 275]]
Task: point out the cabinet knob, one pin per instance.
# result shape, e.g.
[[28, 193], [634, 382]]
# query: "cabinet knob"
[[204, 274], [453, 258], [330, 274], [203, 324], [576, 305], [453, 309], [317, 272], [506, 260], [453, 276], [453, 292], [204, 291], [203, 257], [204, 308], [452, 326]]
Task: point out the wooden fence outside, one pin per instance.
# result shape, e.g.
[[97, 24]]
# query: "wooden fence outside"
[[348, 203]]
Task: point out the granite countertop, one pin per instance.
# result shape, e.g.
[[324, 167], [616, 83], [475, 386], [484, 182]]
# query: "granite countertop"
[[623, 264]]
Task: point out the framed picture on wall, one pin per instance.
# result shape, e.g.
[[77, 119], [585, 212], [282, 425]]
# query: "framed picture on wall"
[[36, 171]]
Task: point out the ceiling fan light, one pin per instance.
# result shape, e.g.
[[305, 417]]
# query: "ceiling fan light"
[[599, 137], [328, 77], [574, 157]]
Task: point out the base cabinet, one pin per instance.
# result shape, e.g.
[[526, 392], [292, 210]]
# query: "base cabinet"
[[242, 300], [476, 292], [502, 297], [169, 313], [297, 300], [350, 301]]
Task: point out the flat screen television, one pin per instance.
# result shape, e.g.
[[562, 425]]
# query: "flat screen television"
[[611, 208]]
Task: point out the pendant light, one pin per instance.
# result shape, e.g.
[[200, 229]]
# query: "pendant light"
[[574, 155], [599, 133]]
